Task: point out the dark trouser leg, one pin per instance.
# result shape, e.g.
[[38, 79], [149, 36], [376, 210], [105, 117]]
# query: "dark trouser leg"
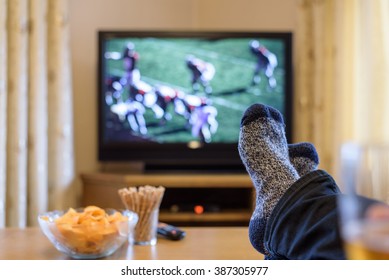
[[305, 222]]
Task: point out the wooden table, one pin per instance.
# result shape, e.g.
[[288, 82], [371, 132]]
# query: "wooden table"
[[200, 243]]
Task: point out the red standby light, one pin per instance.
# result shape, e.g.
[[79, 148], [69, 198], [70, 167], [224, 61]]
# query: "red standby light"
[[198, 209]]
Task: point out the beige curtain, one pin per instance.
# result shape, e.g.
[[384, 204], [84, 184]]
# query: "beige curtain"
[[342, 81], [36, 134]]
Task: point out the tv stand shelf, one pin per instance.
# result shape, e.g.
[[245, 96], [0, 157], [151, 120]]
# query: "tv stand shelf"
[[224, 190]]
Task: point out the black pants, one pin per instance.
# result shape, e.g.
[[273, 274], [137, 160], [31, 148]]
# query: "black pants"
[[305, 222]]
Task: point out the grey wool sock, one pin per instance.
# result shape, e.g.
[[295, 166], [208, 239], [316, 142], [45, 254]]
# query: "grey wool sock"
[[304, 157], [264, 152]]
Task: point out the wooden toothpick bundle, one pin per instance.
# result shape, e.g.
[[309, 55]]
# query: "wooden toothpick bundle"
[[145, 201]]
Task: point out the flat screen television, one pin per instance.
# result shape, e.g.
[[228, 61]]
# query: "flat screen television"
[[174, 100]]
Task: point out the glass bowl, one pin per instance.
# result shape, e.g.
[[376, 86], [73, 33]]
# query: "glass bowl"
[[88, 233]]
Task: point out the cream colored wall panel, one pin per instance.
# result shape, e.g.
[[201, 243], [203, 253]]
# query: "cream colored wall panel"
[[246, 14]]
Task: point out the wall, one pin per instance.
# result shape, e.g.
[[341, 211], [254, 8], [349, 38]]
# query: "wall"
[[88, 16], [246, 14]]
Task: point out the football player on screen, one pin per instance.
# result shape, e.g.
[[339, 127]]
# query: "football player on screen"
[[202, 73], [114, 90], [169, 96], [130, 58], [133, 112], [266, 63], [204, 123], [200, 115]]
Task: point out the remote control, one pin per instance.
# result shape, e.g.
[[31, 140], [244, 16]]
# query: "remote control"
[[170, 232]]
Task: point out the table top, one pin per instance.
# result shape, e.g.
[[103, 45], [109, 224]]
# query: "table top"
[[200, 243]]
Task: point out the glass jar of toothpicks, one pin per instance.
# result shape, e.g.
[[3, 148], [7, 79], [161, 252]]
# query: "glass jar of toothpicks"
[[145, 201]]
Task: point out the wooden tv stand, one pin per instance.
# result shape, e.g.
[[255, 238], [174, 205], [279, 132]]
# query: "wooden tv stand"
[[101, 189]]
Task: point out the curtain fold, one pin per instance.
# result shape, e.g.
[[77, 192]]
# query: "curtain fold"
[[36, 125], [341, 75], [314, 76], [38, 116], [61, 166], [17, 94], [3, 108]]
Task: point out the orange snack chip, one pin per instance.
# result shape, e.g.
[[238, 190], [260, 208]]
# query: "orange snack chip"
[[90, 231]]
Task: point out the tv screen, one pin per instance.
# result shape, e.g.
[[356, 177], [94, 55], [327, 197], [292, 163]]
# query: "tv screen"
[[177, 98]]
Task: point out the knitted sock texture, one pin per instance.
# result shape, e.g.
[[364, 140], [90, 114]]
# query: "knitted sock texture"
[[303, 157], [264, 152]]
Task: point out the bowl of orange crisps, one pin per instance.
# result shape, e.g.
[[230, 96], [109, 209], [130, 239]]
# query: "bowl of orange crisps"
[[88, 233]]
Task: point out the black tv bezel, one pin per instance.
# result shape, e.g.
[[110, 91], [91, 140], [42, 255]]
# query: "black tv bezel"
[[213, 156]]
